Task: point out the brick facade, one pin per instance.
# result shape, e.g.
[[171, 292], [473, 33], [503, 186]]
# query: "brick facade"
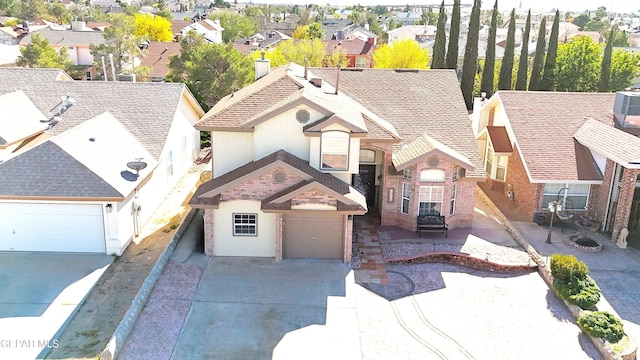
[[464, 200], [625, 200], [260, 187], [526, 196], [208, 232], [313, 197]]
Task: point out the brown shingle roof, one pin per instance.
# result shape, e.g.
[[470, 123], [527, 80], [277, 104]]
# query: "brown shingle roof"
[[353, 46], [206, 193], [500, 139], [544, 124], [415, 102], [157, 57]]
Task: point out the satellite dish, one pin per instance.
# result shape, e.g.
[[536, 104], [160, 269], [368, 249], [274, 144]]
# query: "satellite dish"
[[137, 165]]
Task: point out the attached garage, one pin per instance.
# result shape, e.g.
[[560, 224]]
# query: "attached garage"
[[314, 234], [51, 227]]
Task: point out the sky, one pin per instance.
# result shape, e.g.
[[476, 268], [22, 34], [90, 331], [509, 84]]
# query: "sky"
[[539, 5]]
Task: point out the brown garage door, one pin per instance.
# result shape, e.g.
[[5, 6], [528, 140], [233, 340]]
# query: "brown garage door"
[[315, 234]]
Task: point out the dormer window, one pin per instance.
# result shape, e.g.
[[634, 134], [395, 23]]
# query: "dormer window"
[[334, 150]]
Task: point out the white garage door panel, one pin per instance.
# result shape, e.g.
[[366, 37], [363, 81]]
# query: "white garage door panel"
[[51, 227]]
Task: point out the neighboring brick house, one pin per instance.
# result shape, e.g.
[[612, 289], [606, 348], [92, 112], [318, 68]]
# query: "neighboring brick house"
[[536, 145], [157, 58], [359, 52], [298, 153]]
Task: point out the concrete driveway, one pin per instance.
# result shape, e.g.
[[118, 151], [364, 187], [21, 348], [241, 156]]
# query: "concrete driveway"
[[244, 307], [39, 293]]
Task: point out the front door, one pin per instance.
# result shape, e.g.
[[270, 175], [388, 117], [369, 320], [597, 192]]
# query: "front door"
[[368, 177]]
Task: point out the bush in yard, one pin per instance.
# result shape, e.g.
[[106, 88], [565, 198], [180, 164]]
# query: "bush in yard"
[[566, 266], [571, 282], [601, 324]]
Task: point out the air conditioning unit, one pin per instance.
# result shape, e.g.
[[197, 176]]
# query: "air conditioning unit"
[[127, 77], [626, 109]]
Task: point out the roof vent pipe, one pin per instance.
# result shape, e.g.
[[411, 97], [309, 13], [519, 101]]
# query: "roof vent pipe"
[[338, 80], [306, 67]]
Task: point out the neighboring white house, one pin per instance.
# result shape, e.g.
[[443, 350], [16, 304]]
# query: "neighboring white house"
[[211, 30], [85, 164]]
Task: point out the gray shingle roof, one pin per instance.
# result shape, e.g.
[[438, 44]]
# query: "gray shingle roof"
[[67, 37], [48, 171], [146, 109]]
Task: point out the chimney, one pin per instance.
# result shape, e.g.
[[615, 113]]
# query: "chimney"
[[78, 26], [262, 66]]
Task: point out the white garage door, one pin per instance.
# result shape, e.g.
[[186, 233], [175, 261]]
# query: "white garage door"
[[315, 234], [51, 227]]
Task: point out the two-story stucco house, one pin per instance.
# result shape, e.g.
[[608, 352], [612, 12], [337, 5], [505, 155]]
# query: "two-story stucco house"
[[300, 152], [578, 147]]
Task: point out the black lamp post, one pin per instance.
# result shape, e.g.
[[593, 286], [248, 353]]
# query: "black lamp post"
[[554, 207]]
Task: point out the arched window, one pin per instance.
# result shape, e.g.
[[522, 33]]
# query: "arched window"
[[334, 150], [432, 175]]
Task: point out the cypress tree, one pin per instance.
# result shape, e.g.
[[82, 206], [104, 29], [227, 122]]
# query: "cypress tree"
[[538, 60], [548, 77], [490, 55], [454, 33], [523, 67], [470, 65], [439, 47], [506, 69], [605, 73]]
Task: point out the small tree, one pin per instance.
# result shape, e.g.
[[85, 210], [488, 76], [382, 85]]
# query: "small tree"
[[504, 83], [402, 54], [605, 68], [235, 25], [578, 65], [548, 75], [523, 67], [439, 47], [625, 67], [538, 60], [152, 28], [488, 69], [39, 54], [454, 33], [470, 65]]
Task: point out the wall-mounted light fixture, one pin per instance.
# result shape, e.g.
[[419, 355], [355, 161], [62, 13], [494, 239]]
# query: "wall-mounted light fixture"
[[390, 197], [109, 208]]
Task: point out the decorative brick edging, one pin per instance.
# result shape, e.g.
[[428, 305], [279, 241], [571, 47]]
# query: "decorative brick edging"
[[463, 260], [603, 346], [126, 324]]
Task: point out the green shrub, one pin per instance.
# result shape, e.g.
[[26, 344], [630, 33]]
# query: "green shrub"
[[582, 292], [566, 266], [601, 324]]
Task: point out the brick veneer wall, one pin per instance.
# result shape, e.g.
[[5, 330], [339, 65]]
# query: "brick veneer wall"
[[208, 232], [260, 187], [465, 196], [313, 197], [625, 200], [527, 196]]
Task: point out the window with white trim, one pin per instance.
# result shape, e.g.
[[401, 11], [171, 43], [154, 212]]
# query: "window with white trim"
[[169, 164], [406, 195], [578, 195], [430, 200], [432, 175], [496, 165], [334, 153], [183, 149], [452, 201], [407, 173], [245, 224], [367, 156]]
